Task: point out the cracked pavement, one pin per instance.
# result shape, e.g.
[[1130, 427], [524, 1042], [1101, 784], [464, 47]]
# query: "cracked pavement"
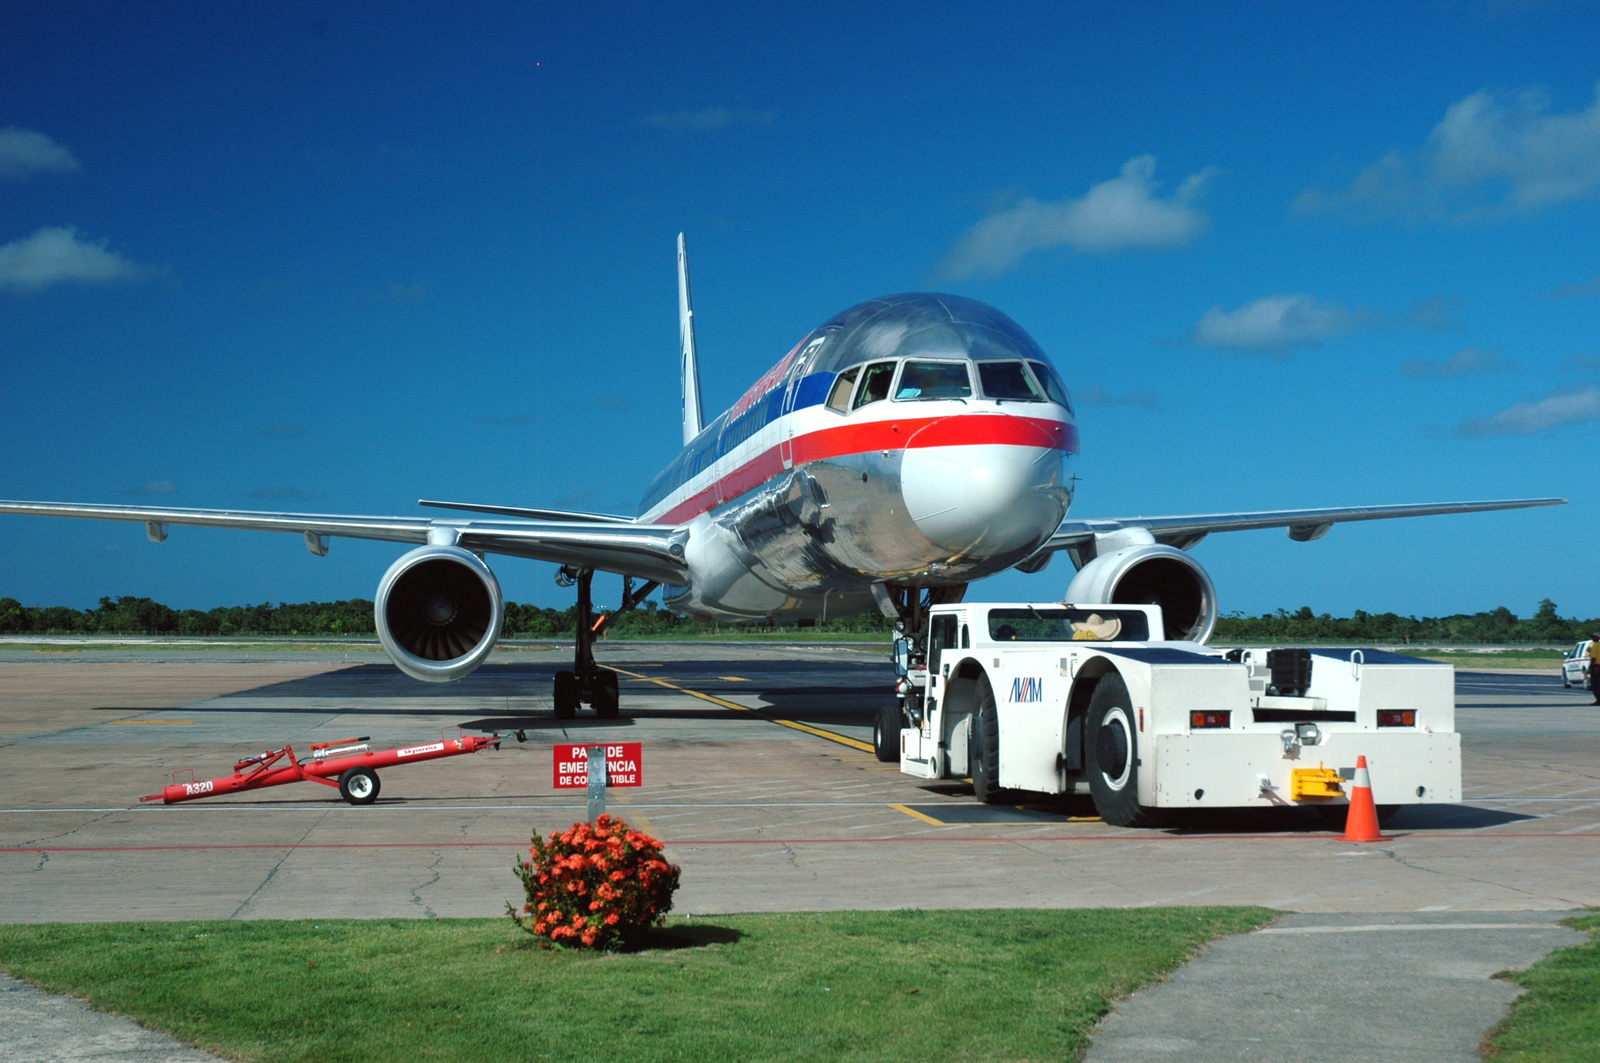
[[761, 816]]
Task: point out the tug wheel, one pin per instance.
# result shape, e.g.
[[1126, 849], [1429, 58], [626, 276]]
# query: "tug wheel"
[[886, 734], [983, 748], [359, 786], [1113, 744]]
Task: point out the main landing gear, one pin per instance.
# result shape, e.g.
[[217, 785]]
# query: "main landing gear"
[[588, 683]]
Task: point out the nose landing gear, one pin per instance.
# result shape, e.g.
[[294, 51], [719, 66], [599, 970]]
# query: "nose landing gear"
[[588, 683]]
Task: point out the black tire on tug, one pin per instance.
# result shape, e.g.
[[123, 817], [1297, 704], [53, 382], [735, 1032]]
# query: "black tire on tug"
[[565, 695], [606, 700], [1113, 755], [983, 752], [886, 733], [359, 786]]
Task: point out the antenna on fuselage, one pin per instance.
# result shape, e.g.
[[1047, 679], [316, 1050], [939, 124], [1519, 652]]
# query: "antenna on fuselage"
[[690, 362]]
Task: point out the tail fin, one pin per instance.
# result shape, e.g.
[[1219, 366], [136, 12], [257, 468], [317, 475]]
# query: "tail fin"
[[690, 363]]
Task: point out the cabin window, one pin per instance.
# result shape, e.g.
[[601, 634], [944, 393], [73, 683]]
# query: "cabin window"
[[1052, 384], [875, 381], [934, 380], [1008, 380], [839, 397]]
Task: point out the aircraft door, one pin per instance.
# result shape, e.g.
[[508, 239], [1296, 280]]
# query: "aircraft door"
[[786, 431]]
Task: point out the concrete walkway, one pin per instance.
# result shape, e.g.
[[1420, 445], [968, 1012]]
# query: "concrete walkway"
[[1412, 987], [44, 1028]]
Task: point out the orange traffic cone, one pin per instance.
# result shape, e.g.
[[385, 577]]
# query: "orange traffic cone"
[[1361, 822]]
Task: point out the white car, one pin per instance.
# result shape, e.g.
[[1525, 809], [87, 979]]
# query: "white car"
[[1575, 666]]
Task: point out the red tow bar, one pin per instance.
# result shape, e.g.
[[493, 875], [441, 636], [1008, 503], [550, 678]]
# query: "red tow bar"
[[348, 765]]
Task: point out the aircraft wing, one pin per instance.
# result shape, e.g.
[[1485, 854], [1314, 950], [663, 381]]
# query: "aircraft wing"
[[1304, 524], [653, 552]]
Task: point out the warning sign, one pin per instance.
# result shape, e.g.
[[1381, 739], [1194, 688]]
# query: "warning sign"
[[624, 765]]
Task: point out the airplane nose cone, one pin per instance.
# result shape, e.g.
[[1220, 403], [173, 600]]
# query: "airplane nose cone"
[[984, 485]]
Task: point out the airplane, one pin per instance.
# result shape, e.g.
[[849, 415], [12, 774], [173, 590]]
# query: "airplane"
[[902, 450]]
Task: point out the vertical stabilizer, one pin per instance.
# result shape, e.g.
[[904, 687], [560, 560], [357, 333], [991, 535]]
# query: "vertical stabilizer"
[[690, 359]]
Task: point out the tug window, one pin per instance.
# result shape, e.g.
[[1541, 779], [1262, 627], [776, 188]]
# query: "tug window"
[[874, 383], [839, 397], [934, 380], [1007, 380], [941, 636]]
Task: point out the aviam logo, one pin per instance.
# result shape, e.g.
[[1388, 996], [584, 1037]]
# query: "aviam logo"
[[1027, 688]]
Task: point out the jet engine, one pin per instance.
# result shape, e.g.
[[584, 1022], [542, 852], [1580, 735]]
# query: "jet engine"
[[439, 612], [1151, 574]]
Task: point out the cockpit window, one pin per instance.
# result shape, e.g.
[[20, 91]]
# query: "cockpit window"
[[934, 380], [839, 397], [1008, 380], [875, 380], [1052, 384]]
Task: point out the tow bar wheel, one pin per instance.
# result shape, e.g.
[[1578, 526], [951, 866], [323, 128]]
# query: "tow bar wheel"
[[359, 786]]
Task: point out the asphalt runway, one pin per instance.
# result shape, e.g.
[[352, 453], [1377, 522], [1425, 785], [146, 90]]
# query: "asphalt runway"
[[756, 773]]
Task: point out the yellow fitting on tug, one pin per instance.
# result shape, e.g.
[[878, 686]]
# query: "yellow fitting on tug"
[[1314, 784]]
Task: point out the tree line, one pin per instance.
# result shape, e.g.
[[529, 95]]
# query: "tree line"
[[1499, 625], [145, 616]]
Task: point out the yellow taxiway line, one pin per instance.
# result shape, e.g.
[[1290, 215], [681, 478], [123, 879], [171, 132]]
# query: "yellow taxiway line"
[[844, 740], [914, 814]]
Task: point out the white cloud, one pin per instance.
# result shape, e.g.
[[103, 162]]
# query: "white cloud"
[[708, 118], [1120, 213], [24, 152], [1491, 155], [1465, 362], [57, 255], [1569, 291], [1277, 324], [1099, 396], [1434, 315], [154, 487], [1559, 407]]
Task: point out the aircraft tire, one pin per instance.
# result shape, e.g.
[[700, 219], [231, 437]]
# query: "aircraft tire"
[[886, 734], [607, 702], [564, 693], [984, 747], [359, 786], [1114, 756]]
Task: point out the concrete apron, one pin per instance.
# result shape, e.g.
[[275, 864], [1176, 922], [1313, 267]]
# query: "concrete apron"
[[44, 1028], [1415, 987]]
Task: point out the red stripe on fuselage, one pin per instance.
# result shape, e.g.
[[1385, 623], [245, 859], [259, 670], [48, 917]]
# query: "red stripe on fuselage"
[[863, 437]]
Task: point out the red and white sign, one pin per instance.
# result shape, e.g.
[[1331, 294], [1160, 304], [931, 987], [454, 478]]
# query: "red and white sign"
[[624, 765]]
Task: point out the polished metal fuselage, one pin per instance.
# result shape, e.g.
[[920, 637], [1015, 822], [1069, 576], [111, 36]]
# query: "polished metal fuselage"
[[813, 506]]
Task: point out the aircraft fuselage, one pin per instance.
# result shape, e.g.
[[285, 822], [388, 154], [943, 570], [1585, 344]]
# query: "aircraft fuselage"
[[916, 439]]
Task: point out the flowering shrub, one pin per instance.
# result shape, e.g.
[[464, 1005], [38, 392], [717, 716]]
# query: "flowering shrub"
[[597, 887]]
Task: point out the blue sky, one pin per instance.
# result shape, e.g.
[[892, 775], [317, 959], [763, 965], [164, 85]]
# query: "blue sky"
[[339, 257]]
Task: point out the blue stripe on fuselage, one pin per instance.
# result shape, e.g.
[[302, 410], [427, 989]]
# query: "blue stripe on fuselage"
[[721, 437]]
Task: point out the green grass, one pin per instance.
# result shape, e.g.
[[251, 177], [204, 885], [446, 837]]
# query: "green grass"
[[911, 985], [1558, 1019]]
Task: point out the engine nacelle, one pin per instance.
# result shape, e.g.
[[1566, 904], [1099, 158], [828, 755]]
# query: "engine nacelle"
[[439, 612], [1153, 575]]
